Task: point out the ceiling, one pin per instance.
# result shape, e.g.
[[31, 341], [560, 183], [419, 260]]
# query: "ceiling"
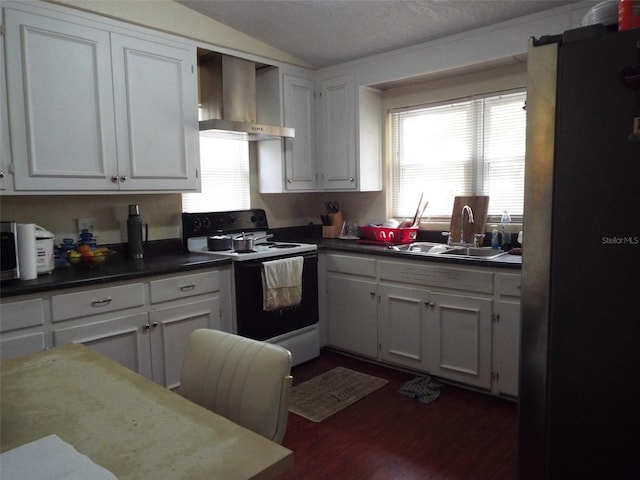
[[328, 32]]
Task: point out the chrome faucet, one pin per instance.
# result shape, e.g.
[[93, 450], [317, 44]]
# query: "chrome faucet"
[[467, 209]]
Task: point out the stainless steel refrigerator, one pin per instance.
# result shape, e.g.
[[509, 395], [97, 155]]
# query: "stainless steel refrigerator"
[[579, 399]]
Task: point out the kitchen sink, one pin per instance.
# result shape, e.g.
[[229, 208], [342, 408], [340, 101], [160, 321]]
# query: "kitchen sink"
[[443, 250], [431, 248], [486, 253]]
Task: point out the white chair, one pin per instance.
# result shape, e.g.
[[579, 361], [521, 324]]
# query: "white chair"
[[244, 380]]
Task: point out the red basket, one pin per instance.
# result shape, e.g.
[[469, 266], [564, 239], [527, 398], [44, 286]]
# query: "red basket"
[[390, 235]]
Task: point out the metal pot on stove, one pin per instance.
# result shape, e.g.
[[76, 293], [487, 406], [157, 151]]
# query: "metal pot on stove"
[[243, 243], [218, 243]]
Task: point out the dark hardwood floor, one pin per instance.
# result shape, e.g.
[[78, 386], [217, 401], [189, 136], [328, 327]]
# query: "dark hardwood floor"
[[463, 435]]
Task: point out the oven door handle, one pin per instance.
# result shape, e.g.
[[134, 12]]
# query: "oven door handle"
[[259, 262]]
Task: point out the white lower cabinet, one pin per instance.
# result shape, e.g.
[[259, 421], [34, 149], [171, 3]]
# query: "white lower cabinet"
[[446, 335], [22, 327], [403, 326], [459, 339], [455, 322], [506, 334], [144, 325], [352, 304], [169, 333], [120, 337], [352, 314]]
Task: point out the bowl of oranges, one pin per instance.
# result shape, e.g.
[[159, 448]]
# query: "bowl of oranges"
[[84, 256]]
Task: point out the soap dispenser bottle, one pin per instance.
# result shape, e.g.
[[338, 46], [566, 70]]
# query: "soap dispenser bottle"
[[505, 223], [134, 232], [495, 244]]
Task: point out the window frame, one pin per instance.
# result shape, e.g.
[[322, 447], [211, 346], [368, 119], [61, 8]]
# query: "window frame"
[[476, 162]]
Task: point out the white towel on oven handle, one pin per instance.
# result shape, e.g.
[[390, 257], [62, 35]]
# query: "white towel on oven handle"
[[282, 283]]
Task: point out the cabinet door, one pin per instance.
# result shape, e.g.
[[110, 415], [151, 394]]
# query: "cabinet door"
[[6, 181], [352, 314], [403, 326], [22, 327], [338, 134], [61, 104], [124, 339], [459, 340], [507, 347], [300, 152], [170, 331], [156, 102]]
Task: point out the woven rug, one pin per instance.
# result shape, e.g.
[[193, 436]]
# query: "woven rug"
[[326, 394]]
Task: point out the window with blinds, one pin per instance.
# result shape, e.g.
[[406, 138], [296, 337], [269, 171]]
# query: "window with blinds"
[[466, 147], [224, 170]]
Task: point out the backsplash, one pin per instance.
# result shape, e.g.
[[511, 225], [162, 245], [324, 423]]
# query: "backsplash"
[[58, 214]]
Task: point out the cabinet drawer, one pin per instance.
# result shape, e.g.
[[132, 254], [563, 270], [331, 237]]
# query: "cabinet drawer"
[[93, 302], [184, 286], [417, 273], [21, 314], [351, 265], [509, 285]]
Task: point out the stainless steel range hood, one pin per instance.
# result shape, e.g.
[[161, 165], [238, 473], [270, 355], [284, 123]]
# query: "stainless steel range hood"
[[228, 100]]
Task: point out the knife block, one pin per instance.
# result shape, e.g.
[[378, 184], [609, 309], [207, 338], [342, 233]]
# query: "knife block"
[[333, 230]]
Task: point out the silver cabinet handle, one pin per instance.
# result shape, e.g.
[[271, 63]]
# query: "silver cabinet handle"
[[148, 326], [429, 304], [1, 174], [351, 179], [101, 303], [187, 288], [290, 180], [123, 178], [115, 178]]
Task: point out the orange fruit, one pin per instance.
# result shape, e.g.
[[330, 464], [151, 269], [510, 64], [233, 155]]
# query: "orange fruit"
[[84, 249]]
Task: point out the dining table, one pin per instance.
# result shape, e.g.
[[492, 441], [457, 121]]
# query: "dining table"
[[72, 399]]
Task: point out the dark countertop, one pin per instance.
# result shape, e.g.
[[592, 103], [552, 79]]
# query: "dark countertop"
[[505, 261], [118, 269], [166, 257]]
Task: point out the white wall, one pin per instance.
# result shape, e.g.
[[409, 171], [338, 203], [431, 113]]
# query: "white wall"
[[172, 17]]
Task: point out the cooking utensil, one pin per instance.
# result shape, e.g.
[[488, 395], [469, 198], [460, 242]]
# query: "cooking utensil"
[[332, 207], [417, 220], [218, 243], [415, 217], [242, 243]]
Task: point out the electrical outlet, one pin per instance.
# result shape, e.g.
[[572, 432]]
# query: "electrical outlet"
[[85, 224]]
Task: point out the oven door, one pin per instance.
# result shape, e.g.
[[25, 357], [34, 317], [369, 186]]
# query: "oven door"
[[252, 321]]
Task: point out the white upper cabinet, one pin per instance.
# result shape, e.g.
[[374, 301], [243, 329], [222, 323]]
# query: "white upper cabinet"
[[338, 134], [93, 110], [156, 101], [351, 136], [287, 165], [5, 147]]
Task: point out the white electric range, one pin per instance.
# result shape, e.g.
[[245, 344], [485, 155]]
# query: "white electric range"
[[261, 248], [295, 328]]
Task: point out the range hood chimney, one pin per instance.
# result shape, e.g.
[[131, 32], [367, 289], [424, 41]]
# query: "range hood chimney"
[[228, 100]]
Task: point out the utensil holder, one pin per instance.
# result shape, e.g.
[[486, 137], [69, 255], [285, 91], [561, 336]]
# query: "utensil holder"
[[333, 230]]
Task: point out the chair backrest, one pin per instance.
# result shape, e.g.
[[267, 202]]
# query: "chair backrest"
[[244, 380]]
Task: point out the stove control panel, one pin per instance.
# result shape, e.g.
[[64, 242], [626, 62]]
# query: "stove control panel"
[[219, 223]]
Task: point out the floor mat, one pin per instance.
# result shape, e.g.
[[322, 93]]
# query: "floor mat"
[[330, 392]]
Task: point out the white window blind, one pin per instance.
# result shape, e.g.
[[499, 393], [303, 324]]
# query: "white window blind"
[[224, 170], [466, 147]]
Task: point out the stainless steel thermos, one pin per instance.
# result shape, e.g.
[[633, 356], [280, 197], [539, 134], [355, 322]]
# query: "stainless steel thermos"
[[134, 232]]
